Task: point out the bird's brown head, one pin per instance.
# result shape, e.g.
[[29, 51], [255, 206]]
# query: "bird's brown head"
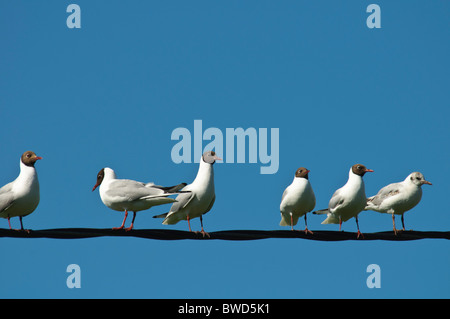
[[360, 169], [100, 177], [29, 158]]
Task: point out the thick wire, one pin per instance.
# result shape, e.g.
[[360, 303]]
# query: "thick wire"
[[169, 234]]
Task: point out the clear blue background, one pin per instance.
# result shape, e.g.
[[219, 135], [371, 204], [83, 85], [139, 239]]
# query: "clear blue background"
[[112, 92]]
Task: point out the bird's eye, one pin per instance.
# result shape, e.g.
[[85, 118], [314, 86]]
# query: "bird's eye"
[[418, 178], [359, 167], [213, 153]]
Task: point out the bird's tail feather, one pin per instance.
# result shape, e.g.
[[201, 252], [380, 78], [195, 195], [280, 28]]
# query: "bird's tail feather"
[[161, 215], [331, 219], [370, 205], [321, 212], [172, 189], [169, 219], [286, 220]]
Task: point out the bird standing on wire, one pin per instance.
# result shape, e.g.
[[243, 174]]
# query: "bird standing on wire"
[[349, 200], [128, 195], [298, 199], [21, 196], [398, 198], [197, 198]]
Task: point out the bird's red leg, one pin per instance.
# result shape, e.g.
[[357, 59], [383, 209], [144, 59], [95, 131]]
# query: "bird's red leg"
[[393, 223], [357, 225], [123, 223], [189, 223], [306, 227], [340, 223], [21, 226], [202, 231], [132, 222]]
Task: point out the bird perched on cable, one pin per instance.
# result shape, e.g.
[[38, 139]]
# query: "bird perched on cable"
[[298, 199], [197, 198], [398, 198], [21, 196], [349, 200], [128, 195]]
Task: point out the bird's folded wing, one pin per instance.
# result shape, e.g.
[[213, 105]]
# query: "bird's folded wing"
[[285, 193], [182, 201], [129, 190], [386, 192], [336, 200], [6, 197]]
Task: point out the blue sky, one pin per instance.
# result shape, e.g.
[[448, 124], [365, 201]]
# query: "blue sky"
[[111, 94]]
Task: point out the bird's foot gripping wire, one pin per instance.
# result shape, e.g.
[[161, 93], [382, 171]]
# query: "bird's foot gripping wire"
[[203, 233]]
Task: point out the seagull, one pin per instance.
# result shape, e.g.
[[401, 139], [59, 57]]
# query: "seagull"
[[398, 198], [298, 199], [349, 200], [21, 196], [129, 195], [199, 196]]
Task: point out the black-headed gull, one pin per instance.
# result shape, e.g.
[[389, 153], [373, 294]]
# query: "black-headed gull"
[[349, 200], [398, 198], [128, 195], [198, 197], [298, 199], [21, 196]]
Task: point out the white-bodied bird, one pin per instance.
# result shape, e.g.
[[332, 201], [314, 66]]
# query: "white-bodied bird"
[[398, 198], [21, 196], [128, 195], [198, 197], [349, 200], [298, 199]]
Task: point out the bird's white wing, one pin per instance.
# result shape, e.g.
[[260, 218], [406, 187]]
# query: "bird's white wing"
[[6, 197], [129, 190], [285, 193]]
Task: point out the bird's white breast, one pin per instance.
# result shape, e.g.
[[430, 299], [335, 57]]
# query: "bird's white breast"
[[354, 198], [299, 197], [25, 191]]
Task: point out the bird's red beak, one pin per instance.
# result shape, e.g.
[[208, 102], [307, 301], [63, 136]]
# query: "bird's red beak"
[[426, 182], [95, 186], [38, 158], [368, 170]]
